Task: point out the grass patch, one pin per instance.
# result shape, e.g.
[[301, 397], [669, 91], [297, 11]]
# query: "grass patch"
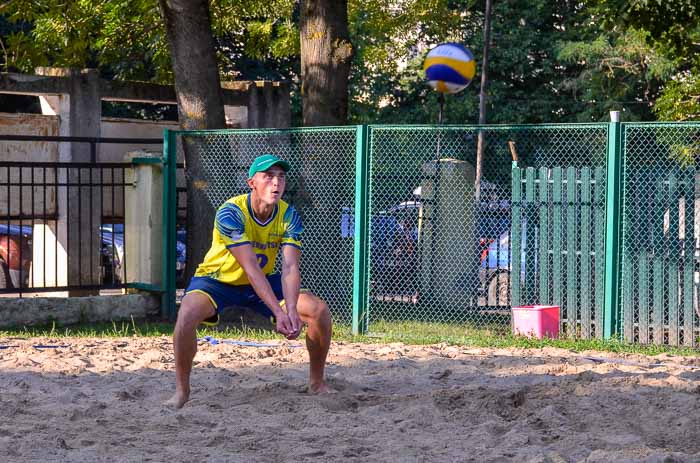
[[411, 332], [91, 330], [495, 336]]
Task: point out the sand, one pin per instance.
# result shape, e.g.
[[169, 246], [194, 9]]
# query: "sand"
[[96, 400]]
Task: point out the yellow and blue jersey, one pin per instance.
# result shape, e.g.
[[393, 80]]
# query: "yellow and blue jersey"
[[236, 225]]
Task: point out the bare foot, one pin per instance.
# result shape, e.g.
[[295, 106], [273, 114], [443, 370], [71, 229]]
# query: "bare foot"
[[321, 388], [177, 400]]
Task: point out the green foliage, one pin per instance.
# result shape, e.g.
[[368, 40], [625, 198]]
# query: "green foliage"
[[255, 37], [549, 61], [673, 29], [127, 40], [524, 74], [680, 100], [617, 72], [132, 43], [20, 53], [685, 154], [673, 25], [390, 42]]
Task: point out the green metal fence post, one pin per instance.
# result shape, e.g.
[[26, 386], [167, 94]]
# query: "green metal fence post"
[[360, 281], [613, 241], [168, 309], [516, 233]]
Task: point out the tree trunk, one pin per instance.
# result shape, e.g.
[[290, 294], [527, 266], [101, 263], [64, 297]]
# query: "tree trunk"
[[482, 98], [326, 53], [200, 106]]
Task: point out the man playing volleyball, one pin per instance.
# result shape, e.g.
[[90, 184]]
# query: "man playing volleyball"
[[238, 270]]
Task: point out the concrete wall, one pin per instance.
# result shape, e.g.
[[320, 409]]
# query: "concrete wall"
[[129, 128], [28, 124], [40, 151], [48, 151], [44, 310]]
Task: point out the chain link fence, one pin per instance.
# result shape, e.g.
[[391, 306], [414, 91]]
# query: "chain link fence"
[[660, 234], [320, 185], [454, 236], [441, 247], [558, 225]]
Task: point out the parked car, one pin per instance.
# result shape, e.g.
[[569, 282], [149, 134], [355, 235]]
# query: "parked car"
[[391, 230], [393, 248], [496, 266], [112, 251], [111, 254], [494, 274], [15, 255]]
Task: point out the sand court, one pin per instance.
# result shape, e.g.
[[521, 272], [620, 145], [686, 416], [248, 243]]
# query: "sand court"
[[88, 400]]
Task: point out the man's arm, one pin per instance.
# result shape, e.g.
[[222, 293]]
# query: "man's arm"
[[246, 259], [291, 277]]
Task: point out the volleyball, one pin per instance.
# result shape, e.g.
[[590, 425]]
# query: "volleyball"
[[449, 67]]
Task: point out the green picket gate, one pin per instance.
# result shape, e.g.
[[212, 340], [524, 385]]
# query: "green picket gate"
[[558, 229]]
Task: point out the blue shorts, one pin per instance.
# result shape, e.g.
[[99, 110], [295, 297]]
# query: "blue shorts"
[[223, 295]]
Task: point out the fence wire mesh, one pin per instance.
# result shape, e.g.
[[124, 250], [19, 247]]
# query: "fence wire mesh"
[[660, 234], [320, 185], [424, 224], [440, 241], [558, 226], [444, 231]]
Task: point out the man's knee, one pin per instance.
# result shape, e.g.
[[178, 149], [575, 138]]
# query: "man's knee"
[[319, 310], [195, 308]]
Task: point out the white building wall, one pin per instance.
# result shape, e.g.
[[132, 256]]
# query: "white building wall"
[[129, 128]]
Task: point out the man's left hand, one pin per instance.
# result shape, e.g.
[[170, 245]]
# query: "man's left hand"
[[297, 324]]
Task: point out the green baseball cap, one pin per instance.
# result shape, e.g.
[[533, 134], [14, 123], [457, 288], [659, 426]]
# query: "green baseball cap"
[[264, 162]]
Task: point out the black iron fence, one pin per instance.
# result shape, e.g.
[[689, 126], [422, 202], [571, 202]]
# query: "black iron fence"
[[62, 223]]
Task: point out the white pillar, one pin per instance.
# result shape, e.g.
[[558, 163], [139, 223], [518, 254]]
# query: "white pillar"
[[79, 114], [143, 221], [49, 257], [49, 253]]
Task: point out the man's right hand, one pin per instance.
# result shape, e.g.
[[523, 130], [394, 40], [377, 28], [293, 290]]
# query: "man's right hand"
[[285, 327]]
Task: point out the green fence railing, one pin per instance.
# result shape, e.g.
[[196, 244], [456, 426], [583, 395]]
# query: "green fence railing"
[[321, 186], [397, 227], [660, 219], [558, 227]]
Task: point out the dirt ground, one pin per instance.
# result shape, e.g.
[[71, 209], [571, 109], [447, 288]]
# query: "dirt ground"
[[93, 400]]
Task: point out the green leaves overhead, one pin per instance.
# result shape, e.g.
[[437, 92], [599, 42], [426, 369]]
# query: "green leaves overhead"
[[551, 61], [672, 28], [680, 100], [673, 25], [125, 36], [126, 39], [615, 72]]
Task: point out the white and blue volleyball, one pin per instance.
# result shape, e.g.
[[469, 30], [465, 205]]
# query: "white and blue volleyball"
[[449, 67]]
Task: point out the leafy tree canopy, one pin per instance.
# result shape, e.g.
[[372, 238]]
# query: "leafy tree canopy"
[[673, 25], [550, 61], [126, 39], [673, 28], [561, 61]]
